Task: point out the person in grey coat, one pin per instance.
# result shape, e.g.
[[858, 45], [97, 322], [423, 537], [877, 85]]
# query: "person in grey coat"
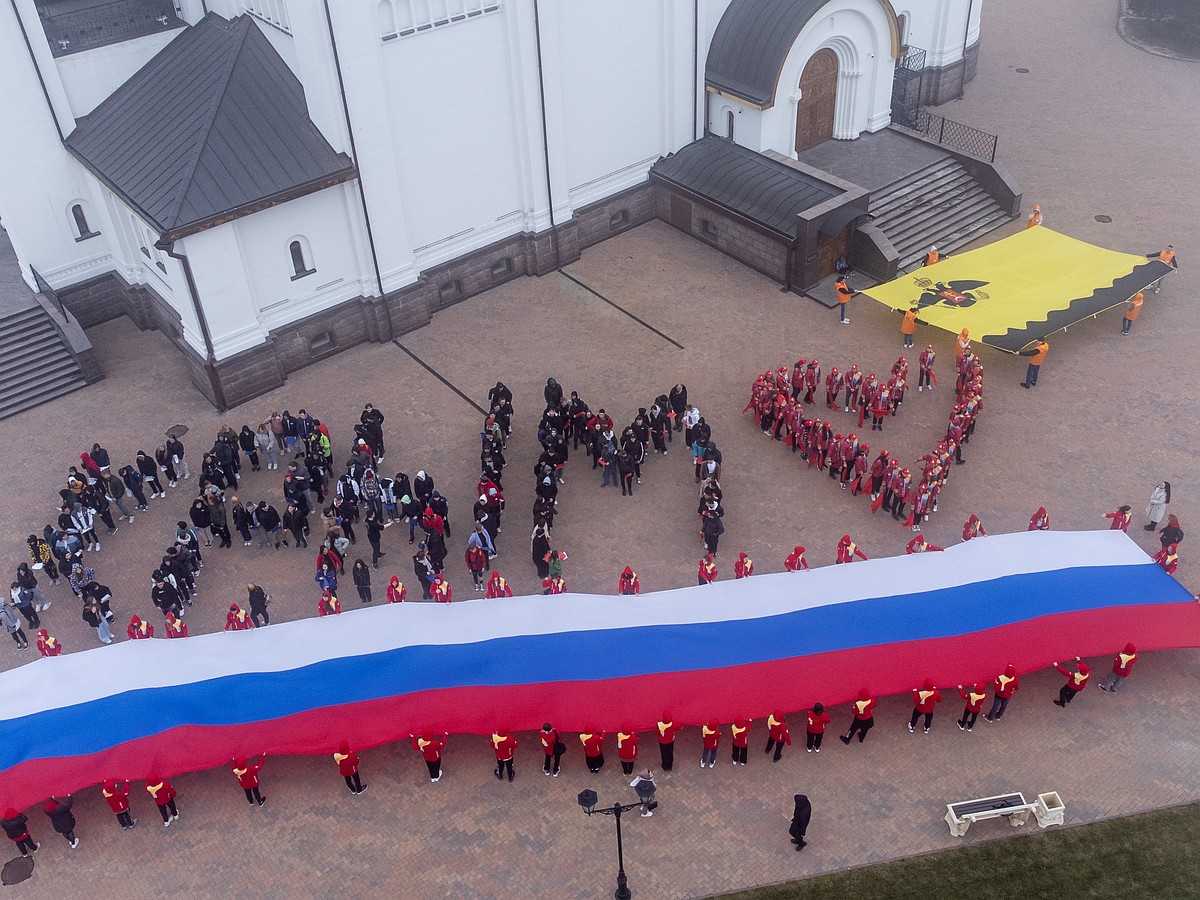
[[1159, 499]]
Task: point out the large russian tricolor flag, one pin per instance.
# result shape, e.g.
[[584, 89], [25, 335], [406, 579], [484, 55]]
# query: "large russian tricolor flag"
[[733, 648]]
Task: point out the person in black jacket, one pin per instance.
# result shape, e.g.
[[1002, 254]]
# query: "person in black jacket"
[[553, 393], [243, 520], [149, 472], [16, 826], [246, 442], [678, 400], [1170, 533], [362, 580], [374, 534], [133, 481], [165, 595], [62, 819], [800, 819], [372, 420], [201, 519], [258, 602], [295, 521], [272, 526]]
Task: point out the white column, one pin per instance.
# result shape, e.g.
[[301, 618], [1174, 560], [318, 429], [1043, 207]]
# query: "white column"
[[846, 107]]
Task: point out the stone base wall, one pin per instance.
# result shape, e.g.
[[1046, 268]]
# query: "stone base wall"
[[260, 369], [940, 85]]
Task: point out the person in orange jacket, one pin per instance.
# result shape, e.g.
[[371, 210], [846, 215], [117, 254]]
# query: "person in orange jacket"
[[777, 734], [744, 567], [1120, 518], [139, 629], [864, 717], [1122, 666], [740, 738], [847, 550], [328, 605], [592, 739], [163, 795], [667, 729], [396, 592], [48, 645], [1076, 682], [347, 763], [974, 697], [505, 747], [237, 619], [497, 587], [908, 325], [628, 583], [973, 529], [1037, 356], [1006, 684], [1040, 520], [246, 774], [925, 698], [1133, 306], [814, 727], [795, 561], [175, 628], [553, 748], [430, 747], [1167, 255], [627, 747], [440, 588], [706, 573], [1035, 217], [710, 738], [116, 794], [844, 294]]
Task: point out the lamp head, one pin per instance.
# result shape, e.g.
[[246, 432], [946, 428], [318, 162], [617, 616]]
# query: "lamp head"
[[587, 800]]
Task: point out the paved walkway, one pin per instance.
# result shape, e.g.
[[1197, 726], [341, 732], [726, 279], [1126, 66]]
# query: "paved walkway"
[[1111, 417]]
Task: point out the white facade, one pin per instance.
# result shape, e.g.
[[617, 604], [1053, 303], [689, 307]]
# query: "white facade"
[[469, 120]]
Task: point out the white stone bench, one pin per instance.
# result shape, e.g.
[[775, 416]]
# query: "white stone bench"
[[1014, 807]]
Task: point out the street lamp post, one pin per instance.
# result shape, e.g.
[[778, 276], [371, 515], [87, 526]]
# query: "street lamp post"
[[587, 800]]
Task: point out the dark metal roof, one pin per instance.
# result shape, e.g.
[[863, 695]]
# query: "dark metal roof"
[[750, 45], [72, 26], [213, 127], [748, 183]]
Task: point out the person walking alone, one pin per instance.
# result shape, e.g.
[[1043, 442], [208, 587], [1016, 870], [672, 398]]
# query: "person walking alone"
[[801, 816]]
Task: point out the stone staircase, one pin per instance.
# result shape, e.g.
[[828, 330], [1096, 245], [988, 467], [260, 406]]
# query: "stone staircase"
[[35, 365], [941, 204]]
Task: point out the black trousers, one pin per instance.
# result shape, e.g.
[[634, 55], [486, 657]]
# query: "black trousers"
[[353, 782], [968, 718], [860, 727], [997, 710], [924, 379], [668, 755], [552, 762], [627, 766], [778, 747], [595, 763], [739, 754], [125, 819], [813, 741], [435, 767], [167, 810], [256, 614], [252, 794], [505, 764], [1065, 694], [916, 715], [26, 844]]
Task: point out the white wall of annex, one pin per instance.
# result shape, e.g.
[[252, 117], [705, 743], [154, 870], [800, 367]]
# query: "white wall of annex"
[[90, 76]]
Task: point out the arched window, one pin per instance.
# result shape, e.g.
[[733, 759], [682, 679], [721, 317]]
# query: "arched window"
[[301, 258], [80, 223], [387, 18], [902, 29], [729, 124]]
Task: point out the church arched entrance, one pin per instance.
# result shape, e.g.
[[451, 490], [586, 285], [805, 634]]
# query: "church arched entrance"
[[818, 95]]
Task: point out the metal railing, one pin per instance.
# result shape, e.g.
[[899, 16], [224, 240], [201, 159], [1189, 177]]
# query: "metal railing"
[[949, 133], [43, 287]]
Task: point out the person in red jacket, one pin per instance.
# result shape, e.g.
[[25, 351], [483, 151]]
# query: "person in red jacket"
[[1120, 518], [497, 587], [707, 571], [505, 747], [740, 734], [667, 729], [1122, 666], [627, 747], [777, 734], [795, 561], [430, 747], [328, 605], [237, 619], [864, 717], [16, 828], [925, 698], [47, 645], [974, 697], [396, 592], [1006, 684], [1076, 682], [1040, 520], [477, 560], [138, 629], [628, 583], [554, 584], [247, 775], [1167, 557], [592, 739], [347, 763], [815, 727], [116, 794], [553, 747], [163, 795], [744, 567], [973, 528], [920, 545], [710, 737], [847, 550], [440, 588], [175, 628]]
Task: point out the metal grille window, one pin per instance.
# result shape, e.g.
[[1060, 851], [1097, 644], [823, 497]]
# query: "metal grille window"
[[406, 18]]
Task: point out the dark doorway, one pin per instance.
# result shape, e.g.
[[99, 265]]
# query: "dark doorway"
[[818, 100]]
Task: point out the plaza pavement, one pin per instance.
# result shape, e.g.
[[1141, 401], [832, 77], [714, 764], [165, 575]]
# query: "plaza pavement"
[[1113, 415]]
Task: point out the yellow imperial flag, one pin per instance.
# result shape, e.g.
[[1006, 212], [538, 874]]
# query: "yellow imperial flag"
[[1022, 288]]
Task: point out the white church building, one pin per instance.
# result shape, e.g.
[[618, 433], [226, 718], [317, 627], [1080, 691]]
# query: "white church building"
[[268, 182]]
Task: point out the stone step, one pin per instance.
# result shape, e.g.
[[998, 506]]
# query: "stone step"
[[35, 365], [956, 239], [931, 180], [38, 391], [943, 190], [924, 229], [30, 330], [31, 359]]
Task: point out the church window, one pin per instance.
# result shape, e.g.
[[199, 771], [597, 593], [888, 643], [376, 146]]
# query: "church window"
[[300, 258], [729, 124], [405, 18], [80, 223]]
